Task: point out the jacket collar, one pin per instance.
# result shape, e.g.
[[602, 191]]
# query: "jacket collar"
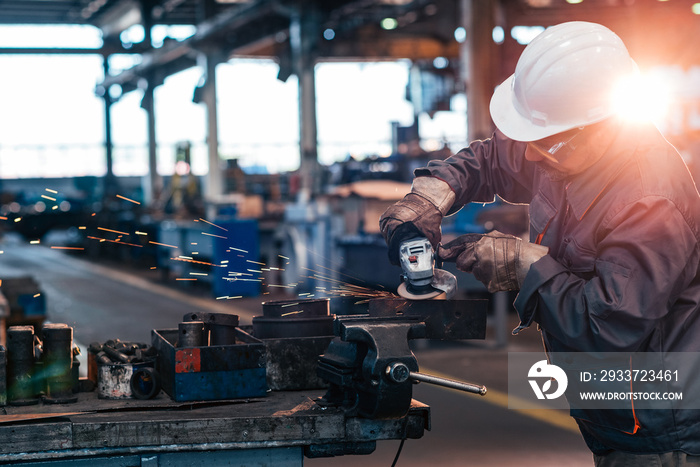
[[617, 143]]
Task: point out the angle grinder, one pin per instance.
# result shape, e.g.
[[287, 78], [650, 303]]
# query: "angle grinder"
[[421, 280]]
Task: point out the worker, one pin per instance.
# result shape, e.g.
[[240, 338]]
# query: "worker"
[[613, 261]]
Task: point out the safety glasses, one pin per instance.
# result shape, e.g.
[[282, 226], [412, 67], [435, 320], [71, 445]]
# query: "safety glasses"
[[550, 147]]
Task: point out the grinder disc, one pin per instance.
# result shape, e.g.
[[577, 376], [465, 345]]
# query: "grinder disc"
[[430, 294]]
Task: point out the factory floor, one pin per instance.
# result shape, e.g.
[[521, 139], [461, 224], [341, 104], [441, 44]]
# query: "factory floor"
[[110, 300]]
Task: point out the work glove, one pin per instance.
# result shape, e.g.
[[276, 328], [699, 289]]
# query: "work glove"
[[418, 214], [498, 260]]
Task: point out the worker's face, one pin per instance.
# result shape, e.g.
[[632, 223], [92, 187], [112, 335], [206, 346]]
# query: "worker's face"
[[557, 151]]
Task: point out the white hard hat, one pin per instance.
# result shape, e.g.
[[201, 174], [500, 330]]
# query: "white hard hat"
[[564, 79]]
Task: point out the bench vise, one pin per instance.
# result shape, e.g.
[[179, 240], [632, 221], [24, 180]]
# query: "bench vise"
[[369, 366]]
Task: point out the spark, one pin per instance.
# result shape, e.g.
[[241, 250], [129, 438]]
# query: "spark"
[[140, 233], [36, 295], [51, 191], [225, 261], [162, 244], [35, 242], [67, 248], [185, 257], [255, 262], [55, 207], [278, 285], [198, 274], [217, 226], [212, 235], [290, 304], [226, 297], [113, 231], [292, 313], [237, 249], [154, 267], [281, 256], [48, 197], [254, 270], [18, 219], [232, 279], [127, 199], [185, 279], [114, 241], [82, 227], [3, 218], [194, 261]]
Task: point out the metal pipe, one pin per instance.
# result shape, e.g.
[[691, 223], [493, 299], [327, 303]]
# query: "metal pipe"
[[20, 366], [58, 363]]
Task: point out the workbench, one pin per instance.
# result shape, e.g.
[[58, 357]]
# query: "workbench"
[[279, 429]]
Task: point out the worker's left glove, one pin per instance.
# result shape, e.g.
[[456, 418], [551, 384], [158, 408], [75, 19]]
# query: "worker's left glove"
[[498, 260]]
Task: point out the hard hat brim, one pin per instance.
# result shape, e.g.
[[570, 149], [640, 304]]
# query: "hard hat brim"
[[511, 123]]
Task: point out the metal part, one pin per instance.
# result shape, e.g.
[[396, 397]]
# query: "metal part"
[[190, 334], [421, 279], [20, 366], [145, 383], [294, 318], [443, 319], [58, 363], [219, 328]]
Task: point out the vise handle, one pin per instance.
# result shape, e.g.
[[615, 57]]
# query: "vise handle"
[[399, 373]]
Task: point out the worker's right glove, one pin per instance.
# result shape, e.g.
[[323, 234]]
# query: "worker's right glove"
[[498, 260], [418, 214]]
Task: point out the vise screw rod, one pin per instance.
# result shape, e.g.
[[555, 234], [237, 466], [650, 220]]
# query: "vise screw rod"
[[448, 383], [399, 373]]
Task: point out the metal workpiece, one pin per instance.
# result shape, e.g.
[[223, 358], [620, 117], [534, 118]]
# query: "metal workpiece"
[[190, 334], [219, 328], [295, 333], [294, 318], [443, 319], [57, 359], [21, 388]]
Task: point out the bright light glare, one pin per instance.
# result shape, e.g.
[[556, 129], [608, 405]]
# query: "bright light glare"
[[642, 98]]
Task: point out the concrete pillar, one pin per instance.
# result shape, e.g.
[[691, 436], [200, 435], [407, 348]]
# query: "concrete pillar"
[[110, 181], [477, 55], [304, 33], [214, 182]]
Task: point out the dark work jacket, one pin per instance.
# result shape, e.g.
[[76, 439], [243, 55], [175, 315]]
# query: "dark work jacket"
[[622, 273]]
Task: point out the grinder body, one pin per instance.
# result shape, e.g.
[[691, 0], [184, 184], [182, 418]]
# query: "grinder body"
[[421, 279]]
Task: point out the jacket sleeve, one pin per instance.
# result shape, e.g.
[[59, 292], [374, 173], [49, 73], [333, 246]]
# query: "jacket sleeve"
[[495, 166], [639, 273]]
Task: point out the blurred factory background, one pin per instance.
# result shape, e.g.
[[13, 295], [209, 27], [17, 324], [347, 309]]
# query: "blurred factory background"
[[235, 150]]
